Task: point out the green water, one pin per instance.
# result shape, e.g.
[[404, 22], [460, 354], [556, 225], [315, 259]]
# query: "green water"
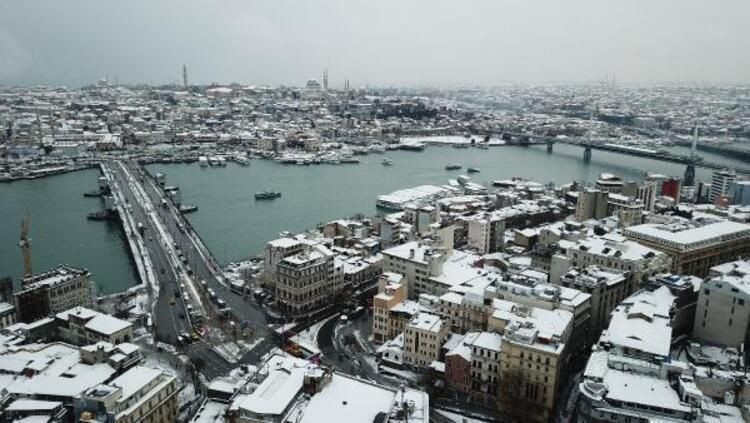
[[60, 233], [235, 226]]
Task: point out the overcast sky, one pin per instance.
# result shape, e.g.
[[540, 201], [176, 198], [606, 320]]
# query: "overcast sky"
[[379, 42]]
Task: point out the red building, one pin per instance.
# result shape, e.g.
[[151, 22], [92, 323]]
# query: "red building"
[[671, 188], [458, 369]]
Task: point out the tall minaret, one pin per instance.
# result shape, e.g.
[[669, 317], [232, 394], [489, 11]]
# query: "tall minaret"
[[184, 77], [325, 79]]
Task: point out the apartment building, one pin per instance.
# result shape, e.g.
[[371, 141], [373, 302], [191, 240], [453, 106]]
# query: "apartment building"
[[7, 315], [83, 326], [276, 251], [52, 292], [723, 309], [391, 292], [532, 355], [424, 335], [416, 261], [141, 394], [591, 204], [486, 234], [606, 288], [307, 281]]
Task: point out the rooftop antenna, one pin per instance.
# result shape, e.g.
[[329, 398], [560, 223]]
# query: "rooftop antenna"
[[184, 77]]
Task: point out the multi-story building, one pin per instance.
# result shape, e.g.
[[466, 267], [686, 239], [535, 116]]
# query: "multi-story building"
[[82, 326], [52, 292], [740, 193], [141, 394], [307, 281], [416, 261], [591, 204], [532, 355], [391, 292], [608, 182], [606, 288], [486, 234], [723, 310], [424, 335], [485, 364], [7, 315], [694, 245], [721, 182], [286, 389], [611, 251], [276, 251], [628, 377]]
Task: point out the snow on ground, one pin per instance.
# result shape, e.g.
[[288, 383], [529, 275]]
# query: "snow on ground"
[[458, 418], [210, 412], [403, 374], [229, 351], [310, 335], [186, 395], [248, 346]]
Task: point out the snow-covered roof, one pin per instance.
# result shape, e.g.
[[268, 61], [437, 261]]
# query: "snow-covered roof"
[[346, 399]]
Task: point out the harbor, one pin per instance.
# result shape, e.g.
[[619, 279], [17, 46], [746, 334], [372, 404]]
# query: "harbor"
[[247, 224]]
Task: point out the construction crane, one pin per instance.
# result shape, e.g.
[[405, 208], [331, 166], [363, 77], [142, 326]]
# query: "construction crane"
[[25, 244]]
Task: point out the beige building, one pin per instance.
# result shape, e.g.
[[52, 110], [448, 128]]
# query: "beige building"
[[533, 351], [276, 251], [424, 335], [82, 326], [391, 292], [591, 204], [308, 281], [695, 245], [141, 394]]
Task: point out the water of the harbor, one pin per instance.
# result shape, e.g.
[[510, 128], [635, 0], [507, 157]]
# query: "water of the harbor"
[[235, 226], [59, 231]]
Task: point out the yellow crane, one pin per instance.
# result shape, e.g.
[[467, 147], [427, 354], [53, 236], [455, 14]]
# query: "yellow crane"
[[25, 244]]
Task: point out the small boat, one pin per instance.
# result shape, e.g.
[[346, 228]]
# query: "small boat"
[[267, 195], [203, 161], [387, 162], [473, 170], [454, 166], [222, 162], [461, 145]]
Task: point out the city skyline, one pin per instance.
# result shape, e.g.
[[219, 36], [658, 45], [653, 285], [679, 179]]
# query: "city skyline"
[[380, 44]]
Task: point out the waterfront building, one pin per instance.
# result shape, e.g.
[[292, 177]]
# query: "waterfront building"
[[610, 183], [721, 182], [307, 281], [52, 292], [694, 245], [276, 251], [722, 316], [424, 336]]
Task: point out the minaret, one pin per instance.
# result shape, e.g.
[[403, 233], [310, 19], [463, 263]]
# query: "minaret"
[[325, 79], [184, 77]]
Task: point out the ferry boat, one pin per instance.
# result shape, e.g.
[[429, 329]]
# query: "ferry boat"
[[203, 161], [387, 162], [453, 166], [473, 170], [267, 195]]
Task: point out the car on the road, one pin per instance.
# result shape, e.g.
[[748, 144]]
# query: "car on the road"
[[181, 315], [171, 301]]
